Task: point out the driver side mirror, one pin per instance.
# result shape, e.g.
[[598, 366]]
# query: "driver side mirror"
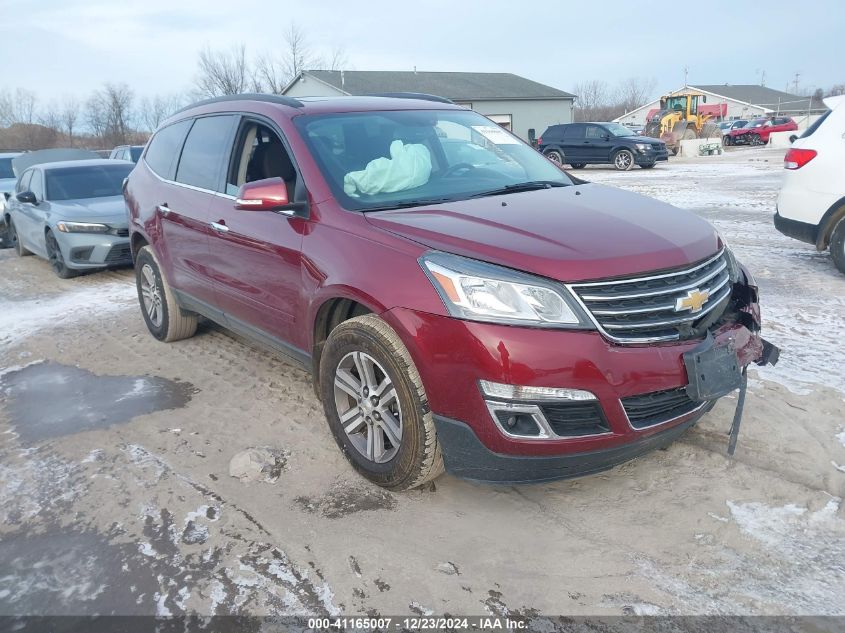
[[27, 197], [606, 137], [793, 138], [270, 194]]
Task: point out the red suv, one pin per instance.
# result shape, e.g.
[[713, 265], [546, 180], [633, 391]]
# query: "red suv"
[[479, 310], [758, 130]]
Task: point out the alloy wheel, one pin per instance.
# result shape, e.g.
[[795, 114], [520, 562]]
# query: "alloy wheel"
[[622, 160], [368, 407], [54, 254], [151, 295]]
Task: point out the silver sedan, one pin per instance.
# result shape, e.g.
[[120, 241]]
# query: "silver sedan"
[[73, 214]]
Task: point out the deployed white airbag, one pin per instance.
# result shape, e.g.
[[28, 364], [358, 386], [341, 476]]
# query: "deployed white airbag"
[[409, 166]]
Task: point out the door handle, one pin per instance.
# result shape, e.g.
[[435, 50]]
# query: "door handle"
[[219, 228], [163, 209]]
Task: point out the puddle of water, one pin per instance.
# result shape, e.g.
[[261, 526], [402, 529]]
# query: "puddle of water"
[[75, 573], [48, 400]]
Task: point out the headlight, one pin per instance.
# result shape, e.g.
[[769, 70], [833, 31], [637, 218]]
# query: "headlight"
[[82, 227], [478, 291], [643, 147]]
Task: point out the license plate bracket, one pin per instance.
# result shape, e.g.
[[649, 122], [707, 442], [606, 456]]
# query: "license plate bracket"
[[713, 370]]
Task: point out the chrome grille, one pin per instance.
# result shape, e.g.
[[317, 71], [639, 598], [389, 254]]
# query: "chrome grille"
[[643, 309]]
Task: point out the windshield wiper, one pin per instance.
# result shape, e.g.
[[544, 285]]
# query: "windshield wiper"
[[532, 185], [407, 204]]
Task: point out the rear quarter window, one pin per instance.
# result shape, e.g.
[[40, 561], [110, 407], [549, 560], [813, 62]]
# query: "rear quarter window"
[[163, 151]]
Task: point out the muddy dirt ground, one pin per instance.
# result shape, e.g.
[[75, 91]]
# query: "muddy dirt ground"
[[115, 495]]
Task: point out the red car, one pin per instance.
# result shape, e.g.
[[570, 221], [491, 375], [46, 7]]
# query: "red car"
[[758, 130], [494, 316]]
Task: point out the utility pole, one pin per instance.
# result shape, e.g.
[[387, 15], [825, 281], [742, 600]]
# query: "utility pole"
[[762, 76], [795, 81], [686, 73]]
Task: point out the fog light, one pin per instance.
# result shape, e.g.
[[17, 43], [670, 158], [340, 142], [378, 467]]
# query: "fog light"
[[519, 420], [515, 392]]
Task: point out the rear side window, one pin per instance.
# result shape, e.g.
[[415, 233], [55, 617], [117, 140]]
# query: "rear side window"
[[816, 125], [163, 152], [208, 142], [555, 131], [573, 131]]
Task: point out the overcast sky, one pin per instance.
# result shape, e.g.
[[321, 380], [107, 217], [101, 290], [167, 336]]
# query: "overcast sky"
[[59, 47]]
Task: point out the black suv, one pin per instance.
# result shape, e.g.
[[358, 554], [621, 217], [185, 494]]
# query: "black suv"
[[580, 144]]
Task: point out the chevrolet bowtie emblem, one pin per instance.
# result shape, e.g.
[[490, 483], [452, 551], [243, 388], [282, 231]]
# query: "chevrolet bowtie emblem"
[[693, 302]]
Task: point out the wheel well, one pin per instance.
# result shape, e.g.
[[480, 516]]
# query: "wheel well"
[[136, 244], [331, 314], [828, 223]]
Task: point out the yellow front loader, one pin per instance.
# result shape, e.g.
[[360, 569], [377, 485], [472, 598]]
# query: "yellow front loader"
[[678, 119]]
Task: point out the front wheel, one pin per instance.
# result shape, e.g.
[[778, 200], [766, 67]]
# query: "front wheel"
[[726, 141], [756, 140], [837, 245], [556, 156], [20, 249], [56, 259], [623, 160], [164, 317], [376, 405]]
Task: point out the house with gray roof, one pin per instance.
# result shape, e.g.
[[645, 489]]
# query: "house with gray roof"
[[514, 102], [741, 101]]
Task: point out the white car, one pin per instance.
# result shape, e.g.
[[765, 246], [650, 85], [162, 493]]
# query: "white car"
[[7, 185], [811, 202]]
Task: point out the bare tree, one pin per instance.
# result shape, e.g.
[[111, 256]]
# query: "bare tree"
[[269, 75], [338, 60], [222, 72], [593, 98], [69, 116], [634, 92], [109, 113], [154, 110], [298, 55]]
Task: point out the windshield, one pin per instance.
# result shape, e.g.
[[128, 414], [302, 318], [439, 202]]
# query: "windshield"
[[376, 160], [740, 124], [756, 123], [617, 129], [92, 181], [6, 168], [135, 153]]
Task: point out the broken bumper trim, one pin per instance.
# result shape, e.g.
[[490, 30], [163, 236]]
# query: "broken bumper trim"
[[466, 457]]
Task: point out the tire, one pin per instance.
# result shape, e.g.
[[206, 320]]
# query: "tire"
[[689, 135], [647, 165], [577, 165], [368, 342], [756, 140], [165, 319], [5, 237], [20, 249], [837, 245], [675, 150], [623, 160], [556, 156], [726, 141], [57, 259]]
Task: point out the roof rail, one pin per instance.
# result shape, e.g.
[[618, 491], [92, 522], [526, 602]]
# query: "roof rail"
[[412, 95], [247, 96]]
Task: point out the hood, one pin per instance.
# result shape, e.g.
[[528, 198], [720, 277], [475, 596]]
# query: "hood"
[[645, 139], [567, 233], [111, 210]]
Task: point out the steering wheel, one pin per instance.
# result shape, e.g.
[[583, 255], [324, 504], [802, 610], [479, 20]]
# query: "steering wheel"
[[454, 169]]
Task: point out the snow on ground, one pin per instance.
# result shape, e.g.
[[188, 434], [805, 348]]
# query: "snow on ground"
[[802, 294], [24, 318]]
